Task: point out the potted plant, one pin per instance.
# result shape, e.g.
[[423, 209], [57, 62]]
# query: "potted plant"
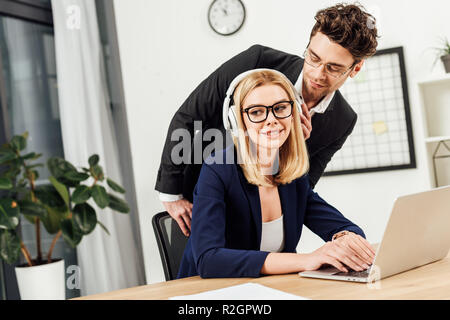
[[61, 206], [443, 53]]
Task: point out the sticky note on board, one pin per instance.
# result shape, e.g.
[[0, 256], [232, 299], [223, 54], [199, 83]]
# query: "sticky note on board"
[[380, 127]]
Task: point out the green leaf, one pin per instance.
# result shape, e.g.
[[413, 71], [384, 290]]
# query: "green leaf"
[[75, 176], [9, 246], [93, 160], [49, 196], [71, 234], [61, 188], [31, 155], [100, 196], [8, 156], [97, 172], [116, 187], [81, 194], [18, 143], [85, 218], [53, 218], [103, 227], [118, 204], [30, 208], [5, 184], [58, 167], [9, 214]]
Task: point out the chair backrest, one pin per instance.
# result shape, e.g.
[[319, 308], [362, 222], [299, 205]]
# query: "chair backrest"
[[171, 243]]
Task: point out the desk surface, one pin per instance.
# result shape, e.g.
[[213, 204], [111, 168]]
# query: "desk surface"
[[431, 281]]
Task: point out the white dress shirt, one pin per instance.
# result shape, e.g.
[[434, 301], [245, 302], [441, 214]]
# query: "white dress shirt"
[[322, 106]]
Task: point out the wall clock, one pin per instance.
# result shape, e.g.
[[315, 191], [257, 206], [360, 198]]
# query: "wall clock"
[[226, 16]]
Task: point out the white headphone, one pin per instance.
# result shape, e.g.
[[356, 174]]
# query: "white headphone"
[[229, 112]]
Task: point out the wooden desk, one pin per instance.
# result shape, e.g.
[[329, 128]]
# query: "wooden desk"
[[431, 281]]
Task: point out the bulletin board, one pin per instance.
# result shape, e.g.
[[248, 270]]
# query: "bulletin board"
[[382, 138]]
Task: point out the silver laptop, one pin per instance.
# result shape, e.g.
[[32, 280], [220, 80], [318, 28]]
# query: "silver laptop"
[[416, 234]]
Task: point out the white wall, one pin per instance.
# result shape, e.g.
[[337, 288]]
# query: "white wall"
[[167, 48]]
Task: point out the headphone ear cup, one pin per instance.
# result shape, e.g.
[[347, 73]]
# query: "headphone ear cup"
[[232, 120]]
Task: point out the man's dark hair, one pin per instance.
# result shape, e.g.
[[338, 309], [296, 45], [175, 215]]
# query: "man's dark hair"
[[349, 26]]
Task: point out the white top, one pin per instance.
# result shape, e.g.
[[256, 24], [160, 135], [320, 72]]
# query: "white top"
[[272, 235]]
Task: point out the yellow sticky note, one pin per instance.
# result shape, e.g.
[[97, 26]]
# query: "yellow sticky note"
[[380, 127]]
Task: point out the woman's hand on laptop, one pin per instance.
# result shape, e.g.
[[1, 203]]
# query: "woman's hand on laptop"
[[361, 249], [349, 250]]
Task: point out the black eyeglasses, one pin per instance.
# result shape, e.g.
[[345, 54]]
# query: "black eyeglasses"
[[259, 113]]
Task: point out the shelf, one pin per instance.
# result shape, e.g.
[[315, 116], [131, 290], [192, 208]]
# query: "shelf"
[[434, 93], [435, 98], [437, 139], [435, 79]]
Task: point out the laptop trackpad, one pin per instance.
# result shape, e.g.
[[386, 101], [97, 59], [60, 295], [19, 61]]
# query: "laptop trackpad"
[[324, 270]]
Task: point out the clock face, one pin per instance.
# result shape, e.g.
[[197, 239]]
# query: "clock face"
[[226, 16]]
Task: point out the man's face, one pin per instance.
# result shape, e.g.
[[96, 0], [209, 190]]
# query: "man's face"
[[316, 82]]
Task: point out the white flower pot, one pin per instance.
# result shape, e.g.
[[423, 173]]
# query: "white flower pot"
[[43, 282]]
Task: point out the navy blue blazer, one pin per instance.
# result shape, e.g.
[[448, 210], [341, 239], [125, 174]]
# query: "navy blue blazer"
[[226, 221]]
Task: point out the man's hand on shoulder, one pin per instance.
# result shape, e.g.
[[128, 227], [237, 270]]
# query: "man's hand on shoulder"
[[306, 121], [181, 212]]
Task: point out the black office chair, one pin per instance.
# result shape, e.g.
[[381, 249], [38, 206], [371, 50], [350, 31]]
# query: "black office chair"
[[171, 243]]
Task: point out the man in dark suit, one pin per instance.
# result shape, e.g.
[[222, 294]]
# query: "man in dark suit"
[[342, 38]]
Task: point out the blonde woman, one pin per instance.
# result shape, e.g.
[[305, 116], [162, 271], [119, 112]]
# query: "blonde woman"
[[248, 215]]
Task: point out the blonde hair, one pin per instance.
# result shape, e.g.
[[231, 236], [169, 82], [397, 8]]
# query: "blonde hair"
[[293, 155]]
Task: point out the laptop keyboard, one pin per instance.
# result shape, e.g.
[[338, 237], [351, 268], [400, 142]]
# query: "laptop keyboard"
[[355, 274]]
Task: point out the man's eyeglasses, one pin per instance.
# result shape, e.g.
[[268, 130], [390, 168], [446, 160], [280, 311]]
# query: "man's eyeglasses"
[[330, 69], [280, 110]]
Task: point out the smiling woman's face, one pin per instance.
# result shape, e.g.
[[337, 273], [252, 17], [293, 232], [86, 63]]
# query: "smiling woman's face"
[[273, 132]]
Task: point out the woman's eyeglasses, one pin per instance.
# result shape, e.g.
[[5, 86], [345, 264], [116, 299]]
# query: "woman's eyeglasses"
[[259, 113]]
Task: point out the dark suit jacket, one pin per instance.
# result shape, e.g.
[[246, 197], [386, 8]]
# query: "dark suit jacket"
[[330, 129], [226, 221]]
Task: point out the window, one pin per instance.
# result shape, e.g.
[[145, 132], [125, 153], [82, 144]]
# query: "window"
[[29, 102]]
